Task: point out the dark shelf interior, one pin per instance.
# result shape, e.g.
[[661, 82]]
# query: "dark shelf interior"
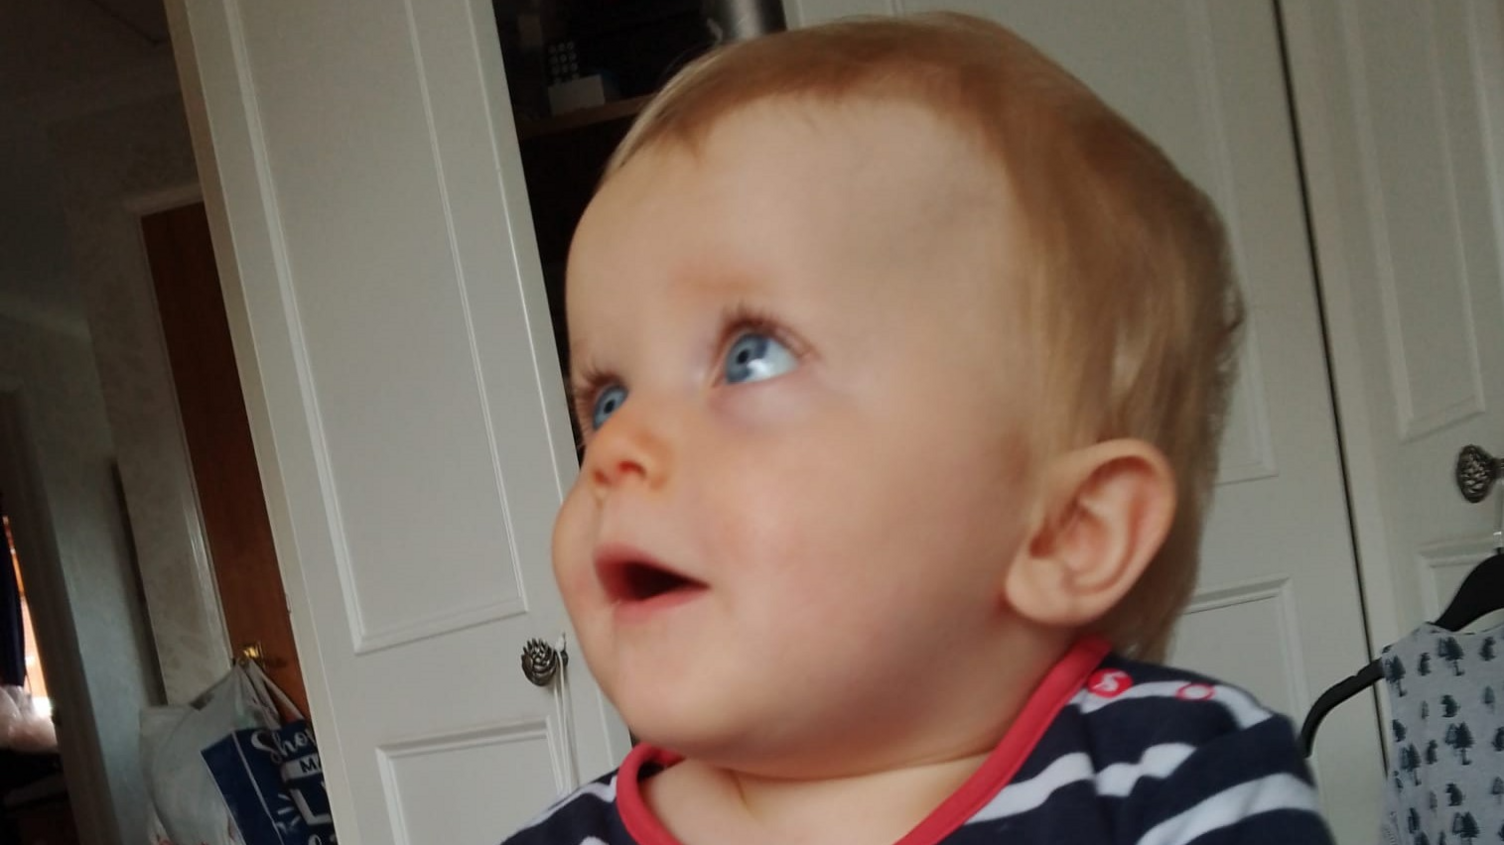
[[570, 121], [637, 45]]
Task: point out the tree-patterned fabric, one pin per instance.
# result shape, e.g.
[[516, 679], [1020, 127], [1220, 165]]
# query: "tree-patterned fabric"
[[1446, 778]]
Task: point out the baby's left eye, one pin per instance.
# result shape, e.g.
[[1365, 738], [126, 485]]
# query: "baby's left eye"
[[756, 357]]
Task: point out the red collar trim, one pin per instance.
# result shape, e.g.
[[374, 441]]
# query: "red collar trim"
[[642, 825], [1055, 691]]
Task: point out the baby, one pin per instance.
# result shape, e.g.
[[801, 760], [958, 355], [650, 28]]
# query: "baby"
[[902, 362]]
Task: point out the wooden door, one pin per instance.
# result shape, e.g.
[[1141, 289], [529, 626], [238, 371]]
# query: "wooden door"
[[233, 508]]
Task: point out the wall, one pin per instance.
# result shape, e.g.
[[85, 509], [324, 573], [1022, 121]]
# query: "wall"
[[33, 236], [115, 165], [90, 135], [52, 373]]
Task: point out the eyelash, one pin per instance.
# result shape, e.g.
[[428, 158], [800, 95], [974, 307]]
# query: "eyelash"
[[743, 319], [588, 383]]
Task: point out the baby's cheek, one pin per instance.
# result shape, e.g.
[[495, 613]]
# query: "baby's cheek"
[[571, 545]]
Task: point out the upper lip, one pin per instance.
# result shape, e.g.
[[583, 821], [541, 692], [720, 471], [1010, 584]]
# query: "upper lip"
[[630, 574]]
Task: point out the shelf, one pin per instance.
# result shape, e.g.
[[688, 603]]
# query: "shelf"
[[582, 117]]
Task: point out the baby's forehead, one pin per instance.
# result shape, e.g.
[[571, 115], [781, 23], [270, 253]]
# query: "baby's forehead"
[[868, 150], [795, 197], [860, 127], [862, 160]]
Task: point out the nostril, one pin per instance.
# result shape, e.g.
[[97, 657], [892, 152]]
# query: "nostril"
[[607, 474], [608, 470]]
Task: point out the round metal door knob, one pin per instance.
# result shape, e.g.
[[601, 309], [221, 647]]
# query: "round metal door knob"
[[1477, 472], [541, 662]]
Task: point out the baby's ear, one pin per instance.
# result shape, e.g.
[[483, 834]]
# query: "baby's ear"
[[1103, 515]]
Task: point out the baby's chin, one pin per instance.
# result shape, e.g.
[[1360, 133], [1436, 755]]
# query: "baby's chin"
[[761, 746], [691, 731], [721, 734], [756, 726]]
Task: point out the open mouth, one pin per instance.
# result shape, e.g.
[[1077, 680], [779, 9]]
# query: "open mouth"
[[635, 579], [642, 581]]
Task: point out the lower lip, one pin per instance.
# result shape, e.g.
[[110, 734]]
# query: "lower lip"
[[629, 612]]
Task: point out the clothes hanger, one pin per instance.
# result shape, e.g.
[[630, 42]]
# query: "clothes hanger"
[[1481, 592]]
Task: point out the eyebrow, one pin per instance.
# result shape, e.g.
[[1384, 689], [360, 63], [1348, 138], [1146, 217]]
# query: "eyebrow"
[[738, 289]]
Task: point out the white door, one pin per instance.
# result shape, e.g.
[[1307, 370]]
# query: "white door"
[[1402, 112], [389, 322], [1277, 609]]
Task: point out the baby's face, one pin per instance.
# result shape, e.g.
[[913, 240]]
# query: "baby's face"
[[806, 467]]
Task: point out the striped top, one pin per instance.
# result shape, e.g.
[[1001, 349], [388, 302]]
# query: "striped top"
[[1106, 750]]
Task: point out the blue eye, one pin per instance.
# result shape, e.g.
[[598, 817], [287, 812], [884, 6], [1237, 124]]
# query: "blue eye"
[[757, 357], [607, 402]]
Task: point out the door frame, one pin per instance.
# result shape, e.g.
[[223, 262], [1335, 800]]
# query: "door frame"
[[206, 588], [1315, 109], [283, 667], [52, 619]]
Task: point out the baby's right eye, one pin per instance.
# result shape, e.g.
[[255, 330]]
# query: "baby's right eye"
[[607, 402]]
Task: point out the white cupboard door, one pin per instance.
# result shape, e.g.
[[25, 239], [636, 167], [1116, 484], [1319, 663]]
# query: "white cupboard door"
[[1402, 112], [372, 228], [1277, 609]]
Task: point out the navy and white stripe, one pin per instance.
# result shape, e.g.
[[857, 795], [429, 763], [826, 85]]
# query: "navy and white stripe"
[[588, 816], [1157, 757]]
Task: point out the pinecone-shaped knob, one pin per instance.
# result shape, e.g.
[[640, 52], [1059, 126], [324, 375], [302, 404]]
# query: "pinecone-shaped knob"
[[541, 662], [1477, 471]]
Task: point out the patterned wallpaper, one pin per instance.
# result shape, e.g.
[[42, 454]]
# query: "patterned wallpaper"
[[115, 166]]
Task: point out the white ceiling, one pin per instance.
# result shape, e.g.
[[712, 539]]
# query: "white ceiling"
[[57, 57]]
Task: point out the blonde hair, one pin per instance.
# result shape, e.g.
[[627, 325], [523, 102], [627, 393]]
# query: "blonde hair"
[[1132, 298]]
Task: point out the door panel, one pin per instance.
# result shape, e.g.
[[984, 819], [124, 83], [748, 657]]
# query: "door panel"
[[1417, 218], [1404, 117]]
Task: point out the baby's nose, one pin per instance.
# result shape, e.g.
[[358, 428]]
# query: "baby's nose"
[[627, 450]]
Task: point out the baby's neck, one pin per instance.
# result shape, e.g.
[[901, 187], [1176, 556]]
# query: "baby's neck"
[[703, 804], [861, 795]]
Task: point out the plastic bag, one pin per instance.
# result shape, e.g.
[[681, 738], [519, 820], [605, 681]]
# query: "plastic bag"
[[22, 728], [273, 780], [185, 803]]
